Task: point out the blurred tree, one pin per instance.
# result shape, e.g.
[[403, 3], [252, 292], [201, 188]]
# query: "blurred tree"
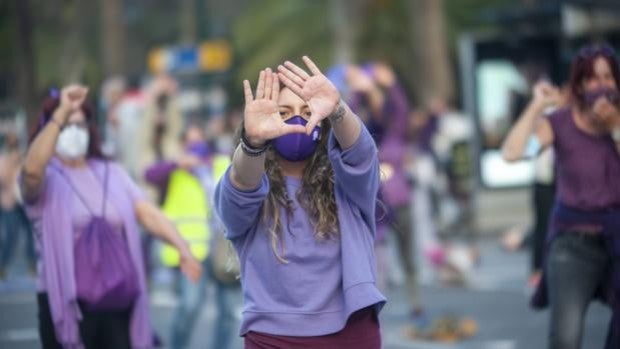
[[81, 40], [268, 32], [188, 21], [112, 33], [417, 37], [345, 18], [27, 84], [431, 55]]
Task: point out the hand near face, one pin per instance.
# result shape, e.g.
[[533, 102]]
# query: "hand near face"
[[262, 121], [72, 97], [384, 75], [546, 94], [606, 113], [359, 80], [316, 90]]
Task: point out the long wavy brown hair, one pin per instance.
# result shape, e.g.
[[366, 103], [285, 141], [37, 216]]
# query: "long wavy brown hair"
[[316, 195]]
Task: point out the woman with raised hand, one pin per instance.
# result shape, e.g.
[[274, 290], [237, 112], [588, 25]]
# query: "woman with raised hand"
[[583, 246], [298, 203], [85, 212]]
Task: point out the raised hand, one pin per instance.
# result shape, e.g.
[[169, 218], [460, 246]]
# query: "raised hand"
[[262, 121], [72, 97], [546, 94], [607, 113], [320, 94], [358, 80], [384, 75]]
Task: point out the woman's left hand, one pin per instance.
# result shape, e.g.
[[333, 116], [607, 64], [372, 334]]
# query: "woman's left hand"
[[190, 266], [607, 113], [320, 94]]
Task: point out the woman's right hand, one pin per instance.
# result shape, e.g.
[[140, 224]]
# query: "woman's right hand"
[[71, 99], [261, 118], [546, 95]]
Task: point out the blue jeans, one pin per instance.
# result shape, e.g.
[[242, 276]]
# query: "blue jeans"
[[12, 223], [576, 265], [192, 297]]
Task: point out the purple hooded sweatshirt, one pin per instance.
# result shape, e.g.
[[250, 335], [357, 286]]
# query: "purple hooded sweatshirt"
[[324, 281], [55, 235]]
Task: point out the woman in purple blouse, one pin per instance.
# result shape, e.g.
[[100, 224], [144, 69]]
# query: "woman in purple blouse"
[[85, 212], [583, 251], [298, 204]]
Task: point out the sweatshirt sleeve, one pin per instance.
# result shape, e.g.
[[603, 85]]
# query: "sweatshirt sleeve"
[[159, 173], [239, 210], [356, 169]]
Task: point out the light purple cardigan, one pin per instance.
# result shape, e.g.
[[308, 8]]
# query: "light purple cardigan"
[[57, 241]]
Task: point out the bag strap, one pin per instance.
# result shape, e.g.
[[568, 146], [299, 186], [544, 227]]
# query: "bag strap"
[[80, 196], [105, 189]]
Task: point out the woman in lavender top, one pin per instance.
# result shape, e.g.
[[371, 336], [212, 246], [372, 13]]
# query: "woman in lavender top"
[[298, 204], [583, 243], [68, 186]]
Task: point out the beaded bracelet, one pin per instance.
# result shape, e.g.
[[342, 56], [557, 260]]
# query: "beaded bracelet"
[[248, 149]]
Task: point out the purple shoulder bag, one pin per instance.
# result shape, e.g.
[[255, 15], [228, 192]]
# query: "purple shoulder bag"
[[106, 278]]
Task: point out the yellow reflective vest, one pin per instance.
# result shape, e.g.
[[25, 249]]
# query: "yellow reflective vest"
[[186, 205], [220, 165]]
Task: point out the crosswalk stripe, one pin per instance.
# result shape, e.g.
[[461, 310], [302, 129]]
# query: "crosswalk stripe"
[[20, 335]]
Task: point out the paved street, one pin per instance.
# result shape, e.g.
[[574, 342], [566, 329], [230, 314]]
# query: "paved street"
[[495, 299]]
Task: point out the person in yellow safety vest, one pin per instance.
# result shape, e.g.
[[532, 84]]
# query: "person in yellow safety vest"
[[187, 185]]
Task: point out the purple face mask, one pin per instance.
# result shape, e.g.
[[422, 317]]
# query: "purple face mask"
[[611, 94], [297, 146], [199, 149]]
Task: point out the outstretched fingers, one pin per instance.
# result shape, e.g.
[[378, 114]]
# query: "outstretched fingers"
[[275, 89], [260, 89], [291, 85], [247, 92], [292, 76], [312, 123], [268, 83], [297, 70], [310, 64]]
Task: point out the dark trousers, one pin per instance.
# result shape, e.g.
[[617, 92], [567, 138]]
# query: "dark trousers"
[[98, 329], [403, 227], [576, 266], [543, 197]]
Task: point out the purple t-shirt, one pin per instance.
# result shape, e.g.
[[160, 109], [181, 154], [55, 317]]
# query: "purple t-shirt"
[[395, 188], [588, 166], [90, 188], [324, 281]]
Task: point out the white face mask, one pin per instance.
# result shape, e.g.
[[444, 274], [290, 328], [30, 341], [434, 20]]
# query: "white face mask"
[[72, 142]]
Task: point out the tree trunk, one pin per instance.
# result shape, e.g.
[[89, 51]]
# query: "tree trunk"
[[112, 34], [431, 66], [188, 21], [345, 21], [73, 56], [27, 85]]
